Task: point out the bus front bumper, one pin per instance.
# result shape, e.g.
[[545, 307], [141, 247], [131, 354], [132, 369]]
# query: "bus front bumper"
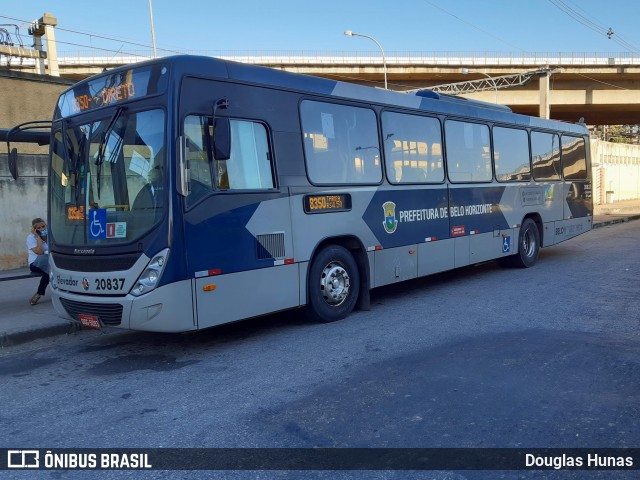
[[168, 308]]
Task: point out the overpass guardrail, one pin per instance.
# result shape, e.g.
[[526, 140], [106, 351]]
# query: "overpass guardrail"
[[278, 57]]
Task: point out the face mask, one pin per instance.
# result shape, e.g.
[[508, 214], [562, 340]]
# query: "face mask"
[[44, 232]]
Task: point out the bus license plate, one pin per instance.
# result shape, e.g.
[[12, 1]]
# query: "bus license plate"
[[90, 321]]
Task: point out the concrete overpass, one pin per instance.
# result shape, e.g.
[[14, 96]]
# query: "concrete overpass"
[[603, 88]]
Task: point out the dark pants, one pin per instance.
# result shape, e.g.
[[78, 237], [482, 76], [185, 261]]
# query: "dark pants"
[[44, 279]]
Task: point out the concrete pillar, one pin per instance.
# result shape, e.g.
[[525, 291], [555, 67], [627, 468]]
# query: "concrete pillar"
[[52, 49], [544, 96], [40, 66]]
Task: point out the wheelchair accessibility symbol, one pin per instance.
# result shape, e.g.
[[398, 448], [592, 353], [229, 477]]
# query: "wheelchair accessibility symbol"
[[506, 244], [98, 224]]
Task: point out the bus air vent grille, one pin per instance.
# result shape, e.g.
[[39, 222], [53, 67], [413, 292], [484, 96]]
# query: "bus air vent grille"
[[108, 313], [270, 245], [95, 263]]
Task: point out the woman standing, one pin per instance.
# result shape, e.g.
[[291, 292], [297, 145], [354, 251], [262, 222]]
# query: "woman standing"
[[38, 250]]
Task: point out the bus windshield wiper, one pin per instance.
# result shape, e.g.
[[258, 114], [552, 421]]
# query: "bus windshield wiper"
[[79, 168], [65, 147], [103, 144]]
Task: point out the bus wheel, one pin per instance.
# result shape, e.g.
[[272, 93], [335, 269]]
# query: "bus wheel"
[[334, 282], [528, 245]]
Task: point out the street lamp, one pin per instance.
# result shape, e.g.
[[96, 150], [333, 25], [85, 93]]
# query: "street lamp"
[[153, 33], [384, 60], [466, 71]]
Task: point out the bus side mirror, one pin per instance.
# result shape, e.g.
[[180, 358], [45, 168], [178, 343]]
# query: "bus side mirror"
[[222, 139], [13, 163]]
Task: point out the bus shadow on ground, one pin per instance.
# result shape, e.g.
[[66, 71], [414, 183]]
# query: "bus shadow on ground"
[[279, 322]]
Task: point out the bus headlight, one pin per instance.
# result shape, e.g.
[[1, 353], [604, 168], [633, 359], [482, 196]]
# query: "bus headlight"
[[151, 275]]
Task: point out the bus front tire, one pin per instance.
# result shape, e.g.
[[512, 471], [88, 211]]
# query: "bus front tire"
[[334, 282]]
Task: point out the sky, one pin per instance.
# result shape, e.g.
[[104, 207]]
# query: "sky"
[[246, 26]]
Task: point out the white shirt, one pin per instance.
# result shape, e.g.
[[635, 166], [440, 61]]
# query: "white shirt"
[[32, 242]]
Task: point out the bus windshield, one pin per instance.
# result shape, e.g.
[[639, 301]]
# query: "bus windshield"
[[107, 177]]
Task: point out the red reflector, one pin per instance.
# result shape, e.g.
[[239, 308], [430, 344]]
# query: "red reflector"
[[215, 271], [378, 247], [458, 231], [288, 261]]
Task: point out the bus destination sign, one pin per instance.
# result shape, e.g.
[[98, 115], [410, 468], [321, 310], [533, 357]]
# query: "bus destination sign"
[[106, 96], [113, 89], [75, 213], [340, 202]]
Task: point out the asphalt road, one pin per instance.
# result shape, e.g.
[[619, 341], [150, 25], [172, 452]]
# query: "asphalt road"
[[546, 357]]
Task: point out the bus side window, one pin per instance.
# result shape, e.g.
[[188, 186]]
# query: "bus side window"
[[545, 151], [574, 158], [468, 152], [511, 154], [345, 147], [407, 141], [249, 166]]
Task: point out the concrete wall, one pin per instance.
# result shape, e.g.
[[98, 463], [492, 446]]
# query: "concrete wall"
[[20, 202], [23, 98], [616, 169]]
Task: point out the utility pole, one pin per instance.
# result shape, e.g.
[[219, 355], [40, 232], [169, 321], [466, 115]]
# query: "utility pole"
[[153, 32]]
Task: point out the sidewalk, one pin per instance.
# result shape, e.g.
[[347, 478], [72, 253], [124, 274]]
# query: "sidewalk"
[[21, 322], [616, 212]]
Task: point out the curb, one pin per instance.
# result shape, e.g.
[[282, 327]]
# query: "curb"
[[10, 339], [613, 221]]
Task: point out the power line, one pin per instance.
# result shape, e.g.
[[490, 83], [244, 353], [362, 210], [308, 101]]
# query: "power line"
[[579, 17], [101, 49], [604, 83], [93, 35], [473, 26], [114, 39], [592, 25], [5, 36], [15, 19]]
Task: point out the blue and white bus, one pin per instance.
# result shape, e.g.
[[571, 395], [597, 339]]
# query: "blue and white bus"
[[188, 192]]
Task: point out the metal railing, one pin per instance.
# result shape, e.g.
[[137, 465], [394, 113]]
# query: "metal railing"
[[281, 57]]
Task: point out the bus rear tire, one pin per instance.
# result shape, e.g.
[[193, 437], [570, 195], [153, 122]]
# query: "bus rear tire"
[[528, 245], [333, 286]]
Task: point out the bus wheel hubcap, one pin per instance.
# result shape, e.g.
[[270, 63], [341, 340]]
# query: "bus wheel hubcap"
[[334, 284], [528, 243]]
